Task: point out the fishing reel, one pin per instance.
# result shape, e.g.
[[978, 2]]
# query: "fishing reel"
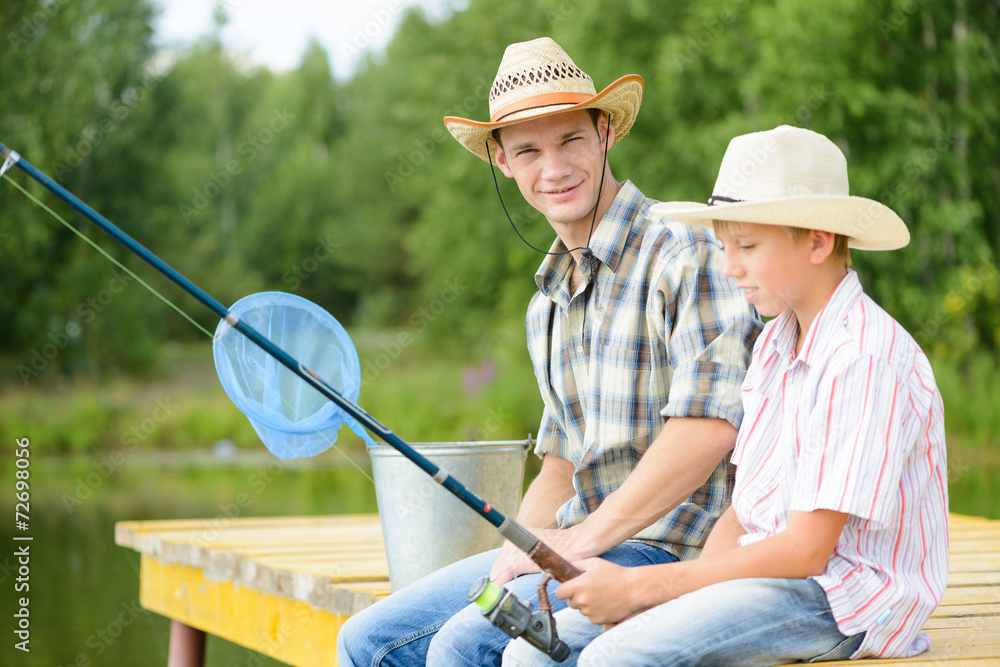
[[515, 618]]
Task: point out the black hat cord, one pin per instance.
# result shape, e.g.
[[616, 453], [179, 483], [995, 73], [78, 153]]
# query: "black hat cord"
[[586, 254]]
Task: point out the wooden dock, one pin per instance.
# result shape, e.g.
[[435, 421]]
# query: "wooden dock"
[[284, 586]]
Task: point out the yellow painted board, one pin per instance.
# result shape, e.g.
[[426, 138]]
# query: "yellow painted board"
[[288, 630]]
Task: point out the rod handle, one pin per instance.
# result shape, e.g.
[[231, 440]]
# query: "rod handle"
[[551, 562], [543, 555]]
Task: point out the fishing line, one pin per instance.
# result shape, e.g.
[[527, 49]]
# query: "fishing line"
[[167, 301], [106, 254], [86, 238]]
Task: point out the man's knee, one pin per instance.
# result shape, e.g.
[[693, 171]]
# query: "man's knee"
[[347, 645], [460, 628], [468, 634]]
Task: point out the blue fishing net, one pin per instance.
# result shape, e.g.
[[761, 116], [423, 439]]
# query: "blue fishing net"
[[292, 418]]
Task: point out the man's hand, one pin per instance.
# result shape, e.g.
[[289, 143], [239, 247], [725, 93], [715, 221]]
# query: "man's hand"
[[512, 562], [559, 540]]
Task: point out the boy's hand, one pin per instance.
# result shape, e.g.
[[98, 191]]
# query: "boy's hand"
[[605, 593]]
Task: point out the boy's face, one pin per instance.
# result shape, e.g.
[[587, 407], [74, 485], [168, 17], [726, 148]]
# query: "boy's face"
[[769, 267], [556, 162]]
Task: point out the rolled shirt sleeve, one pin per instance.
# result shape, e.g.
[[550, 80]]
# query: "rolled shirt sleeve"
[[709, 331]]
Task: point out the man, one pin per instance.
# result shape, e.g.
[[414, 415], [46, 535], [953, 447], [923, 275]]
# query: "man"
[[639, 345]]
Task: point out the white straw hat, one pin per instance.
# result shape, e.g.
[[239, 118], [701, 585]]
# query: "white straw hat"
[[796, 178], [538, 79]]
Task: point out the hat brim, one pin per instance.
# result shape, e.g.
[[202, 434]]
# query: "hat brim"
[[620, 100], [866, 223]]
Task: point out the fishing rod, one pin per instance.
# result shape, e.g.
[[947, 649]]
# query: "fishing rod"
[[548, 560]]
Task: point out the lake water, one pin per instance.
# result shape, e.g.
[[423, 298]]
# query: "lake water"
[[84, 590]]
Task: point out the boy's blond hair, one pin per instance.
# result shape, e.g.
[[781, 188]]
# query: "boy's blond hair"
[[841, 251]]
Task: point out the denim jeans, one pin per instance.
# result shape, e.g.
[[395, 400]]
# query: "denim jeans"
[[741, 623], [430, 620]]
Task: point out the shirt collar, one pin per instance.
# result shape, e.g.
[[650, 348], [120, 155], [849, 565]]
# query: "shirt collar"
[[607, 243], [823, 327]]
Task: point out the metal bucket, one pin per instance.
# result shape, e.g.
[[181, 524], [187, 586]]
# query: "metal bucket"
[[425, 526]]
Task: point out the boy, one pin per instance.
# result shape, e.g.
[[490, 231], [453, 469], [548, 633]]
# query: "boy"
[[836, 543]]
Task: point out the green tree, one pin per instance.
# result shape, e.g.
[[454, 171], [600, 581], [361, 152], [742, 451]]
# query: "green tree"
[[74, 78]]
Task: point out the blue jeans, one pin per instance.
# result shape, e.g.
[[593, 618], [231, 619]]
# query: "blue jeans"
[[430, 620], [741, 623]]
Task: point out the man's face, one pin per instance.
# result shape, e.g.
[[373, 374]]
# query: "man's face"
[[556, 161]]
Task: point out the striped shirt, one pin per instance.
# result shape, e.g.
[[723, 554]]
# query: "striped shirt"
[[854, 423], [656, 331]]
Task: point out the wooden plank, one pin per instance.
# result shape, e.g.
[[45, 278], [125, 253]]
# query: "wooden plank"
[[974, 578], [282, 554], [139, 535], [974, 563], [951, 646], [961, 595], [971, 624], [977, 545], [301, 558], [970, 610]]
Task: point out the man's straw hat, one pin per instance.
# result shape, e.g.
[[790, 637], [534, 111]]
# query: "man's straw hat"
[[796, 178], [538, 79]]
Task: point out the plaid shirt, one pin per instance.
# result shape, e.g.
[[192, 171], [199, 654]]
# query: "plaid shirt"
[[656, 331]]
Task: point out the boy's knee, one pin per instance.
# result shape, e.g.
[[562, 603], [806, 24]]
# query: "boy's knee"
[[520, 653], [599, 654]]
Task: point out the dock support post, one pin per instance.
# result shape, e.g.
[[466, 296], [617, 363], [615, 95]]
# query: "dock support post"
[[187, 646]]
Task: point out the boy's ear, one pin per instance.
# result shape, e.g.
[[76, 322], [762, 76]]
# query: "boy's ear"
[[821, 245], [502, 163]]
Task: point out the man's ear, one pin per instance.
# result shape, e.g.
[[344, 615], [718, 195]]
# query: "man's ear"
[[821, 245], [606, 126], [502, 161]]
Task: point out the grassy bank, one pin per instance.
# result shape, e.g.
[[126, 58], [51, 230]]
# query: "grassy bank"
[[419, 392], [413, 389]]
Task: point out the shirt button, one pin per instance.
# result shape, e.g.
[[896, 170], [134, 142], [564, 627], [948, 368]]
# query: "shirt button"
[[580, 349]]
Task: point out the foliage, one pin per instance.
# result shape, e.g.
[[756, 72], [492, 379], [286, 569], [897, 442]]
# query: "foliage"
[[352, 194], [421, 395]]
